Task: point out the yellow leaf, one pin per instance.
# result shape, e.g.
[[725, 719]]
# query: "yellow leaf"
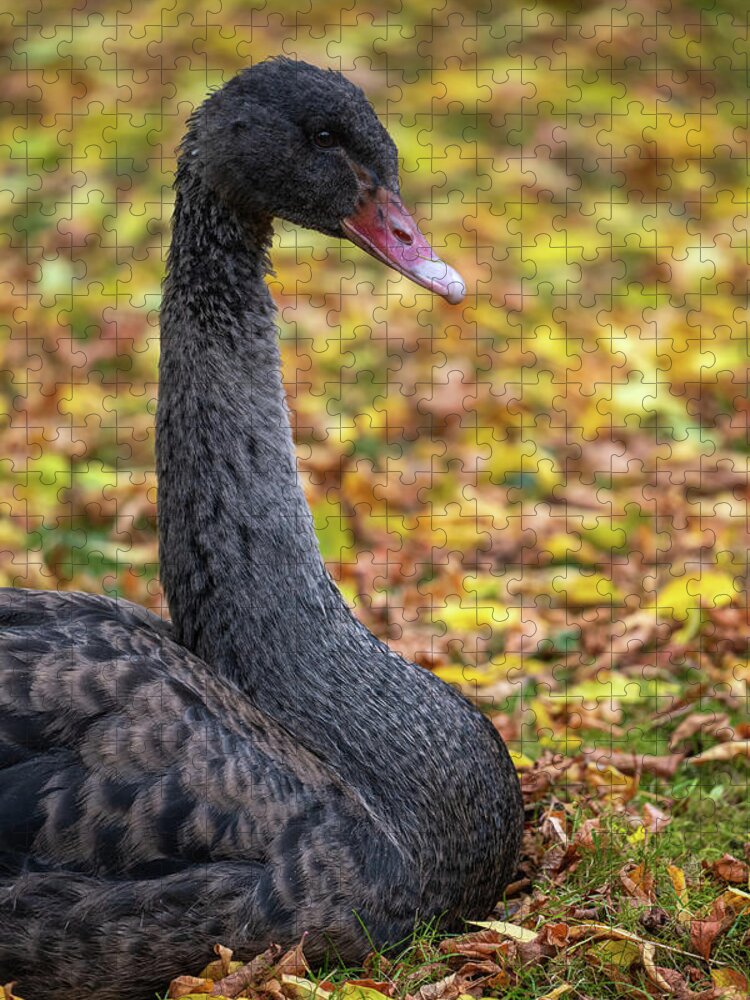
[[606, 687], [677, 878], [618, 953], [557, 992], [303, 989], [512, 931], [520, 759], [710, 589], [585, 590], [351, 992], [732, 983], [738, 899], [468, 616]]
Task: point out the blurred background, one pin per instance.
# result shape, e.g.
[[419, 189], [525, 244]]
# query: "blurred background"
[[548, 481]]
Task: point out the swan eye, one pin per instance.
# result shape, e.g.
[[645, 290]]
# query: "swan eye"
[[326, 139]]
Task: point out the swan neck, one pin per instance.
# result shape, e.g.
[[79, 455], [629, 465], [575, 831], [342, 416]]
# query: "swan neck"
[[240, 562]]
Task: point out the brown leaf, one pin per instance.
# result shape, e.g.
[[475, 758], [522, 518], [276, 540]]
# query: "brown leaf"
[[249, 975], [479, 970], [654, 819], [444, 989], [709, 723], [654, 920], [585, 833], [637, 882], [531, 952], [557, 935], [704, 932], [722, 752], [478, 944], [728, 869], [517, 887], [271, 989], [293, 962], [669, 981], [634, 764], [182, 986], [225, 957], [567, 863]]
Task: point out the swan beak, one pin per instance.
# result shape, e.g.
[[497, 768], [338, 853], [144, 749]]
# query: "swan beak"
[[382, 226]]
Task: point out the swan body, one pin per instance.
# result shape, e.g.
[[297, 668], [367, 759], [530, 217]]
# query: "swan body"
[[262, 766]]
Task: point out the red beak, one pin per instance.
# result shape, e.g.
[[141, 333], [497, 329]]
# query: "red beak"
[[382, 226]]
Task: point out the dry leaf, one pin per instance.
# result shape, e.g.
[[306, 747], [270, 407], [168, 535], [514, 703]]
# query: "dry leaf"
[[292, 962], [654, 819], [728, 869], [704, 932], [615, 953], [183, 986], [445, 989], [225, 957], [387, 989], [733, 984], [557, 992], [707, 722], [479, 944], [584, 836], [638, 883], [724, 751], [636, 763], [648, 952], [303, 989], [251, 974], [677, 878], [512, 931]]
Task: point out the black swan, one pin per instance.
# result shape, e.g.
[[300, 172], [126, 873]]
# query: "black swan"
[[262, 766]]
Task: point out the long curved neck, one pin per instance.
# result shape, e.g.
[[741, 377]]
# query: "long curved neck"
[[240, 561], [248, 591]]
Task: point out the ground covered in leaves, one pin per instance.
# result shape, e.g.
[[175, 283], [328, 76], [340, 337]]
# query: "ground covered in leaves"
[[542, 495]]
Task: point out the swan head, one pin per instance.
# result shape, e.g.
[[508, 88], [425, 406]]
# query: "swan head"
[[285, 139]]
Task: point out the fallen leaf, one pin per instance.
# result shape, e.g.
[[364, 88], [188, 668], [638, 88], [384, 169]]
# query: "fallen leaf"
[[557, 992], [724, 751], [654, 920], [677, 878], [703, 933], [634, 763], [248, 975], [387, 989], [555, 934], [648, 952], [707, 722], [654, 819], [448, 988], [733, 984], [728, 869], [479, 944], [304, 989], [620, 954], [637, 882], [507, 930], [184, 986]]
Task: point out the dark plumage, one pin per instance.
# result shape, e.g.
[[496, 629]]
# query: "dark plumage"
[[263, 766]]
